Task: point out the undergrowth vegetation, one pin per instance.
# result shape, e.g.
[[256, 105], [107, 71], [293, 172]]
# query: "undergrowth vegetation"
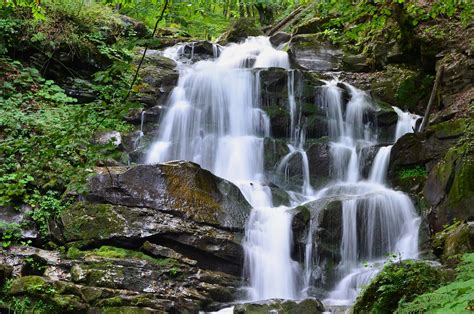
[[46, 147]]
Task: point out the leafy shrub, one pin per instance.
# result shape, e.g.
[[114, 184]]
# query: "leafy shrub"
[[455, 297], [400, 281], [417, 171]]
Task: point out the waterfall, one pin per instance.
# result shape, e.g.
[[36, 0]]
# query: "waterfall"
[[215, 118], [406, 122], [376, 220]]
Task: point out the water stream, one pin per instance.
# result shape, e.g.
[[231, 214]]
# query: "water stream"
[[215, 119]]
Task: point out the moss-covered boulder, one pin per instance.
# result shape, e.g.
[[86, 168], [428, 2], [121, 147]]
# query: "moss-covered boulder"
[[182, 188], [312, 52], [281, 307], [311, 26], [402, 86], [459, 241], [158, 77], [238, 30], [449, 188], [398, 281]]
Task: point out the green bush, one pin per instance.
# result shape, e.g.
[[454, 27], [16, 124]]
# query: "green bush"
[[398, 282], [417, 171], [455, 297]]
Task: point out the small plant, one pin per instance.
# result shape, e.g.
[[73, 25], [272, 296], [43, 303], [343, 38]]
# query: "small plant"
[[11, 233], [417, 171]]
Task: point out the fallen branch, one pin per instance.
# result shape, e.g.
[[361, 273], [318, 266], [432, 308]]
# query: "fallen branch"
[[426, 117]]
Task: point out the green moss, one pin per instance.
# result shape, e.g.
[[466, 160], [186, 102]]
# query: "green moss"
[[398, 281], [115, 252], [449, 129], [91, 221], [126, 310], [74, 252], [33, 285]]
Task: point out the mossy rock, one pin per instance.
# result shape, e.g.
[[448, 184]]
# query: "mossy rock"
[[311, 26], [450, 187], [459, 241], [180, 187], [449, 129], [398, 281], [128, 310], [240, 29], [33, 285], [281, 307], [84, 221], [402, 86]]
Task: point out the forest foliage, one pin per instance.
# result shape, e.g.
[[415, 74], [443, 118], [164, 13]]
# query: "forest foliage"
[[46, 152]]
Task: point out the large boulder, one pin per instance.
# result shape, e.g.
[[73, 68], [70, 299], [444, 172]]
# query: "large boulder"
[[159, 76], [281, 307], [449, 189], [180, 188], [96, 280], [239, 30], [308, 51]]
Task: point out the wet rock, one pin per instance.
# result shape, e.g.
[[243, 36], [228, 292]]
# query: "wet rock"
[[114, 277], [18, 219], [130, 226], [355, 63], [239, 30], [163, 251], [329, 234], [159, 77], [311, 26], [275, 102], [311, 53], [280, 38], [131, 141], [183, 188], [197, 51], [108, 137], [280, 307], [460, 241], [319, 159], [449, 189], [274, 151]]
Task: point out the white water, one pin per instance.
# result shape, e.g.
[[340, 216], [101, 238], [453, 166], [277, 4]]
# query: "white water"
[[214, 119], [376, 221]]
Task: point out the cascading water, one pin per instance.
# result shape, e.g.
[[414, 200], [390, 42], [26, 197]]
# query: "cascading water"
[[215, 119], [376, 220]]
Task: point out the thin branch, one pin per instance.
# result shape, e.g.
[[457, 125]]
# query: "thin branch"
[[146, 48]]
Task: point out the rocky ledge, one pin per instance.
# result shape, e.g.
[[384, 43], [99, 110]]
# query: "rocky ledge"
[[145, 239]]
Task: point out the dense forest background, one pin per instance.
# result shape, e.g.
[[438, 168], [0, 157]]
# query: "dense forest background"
[[67, 76]]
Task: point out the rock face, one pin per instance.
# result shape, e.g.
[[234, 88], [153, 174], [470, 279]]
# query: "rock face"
[[97, 280], [165, 237], [239, 30], [159, 77], [310, 52], [179, 188], [281, 307], [448, 163]]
